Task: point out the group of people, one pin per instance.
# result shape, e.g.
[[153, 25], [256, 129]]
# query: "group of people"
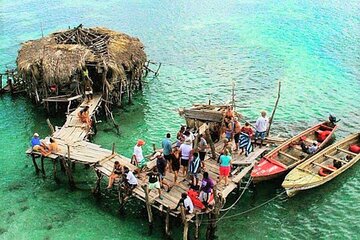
[[39, 145], [243, 135]]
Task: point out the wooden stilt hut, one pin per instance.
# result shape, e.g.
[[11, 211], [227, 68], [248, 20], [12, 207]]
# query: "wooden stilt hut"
[[53, 67]]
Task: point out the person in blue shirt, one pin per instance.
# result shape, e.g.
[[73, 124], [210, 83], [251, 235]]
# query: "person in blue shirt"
[[167, 148], [39, 146]]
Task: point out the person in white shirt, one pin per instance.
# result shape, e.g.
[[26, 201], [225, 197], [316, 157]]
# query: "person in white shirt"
[[131, 182], [138, 157], [261, 126], [185, 152], [186, 202]]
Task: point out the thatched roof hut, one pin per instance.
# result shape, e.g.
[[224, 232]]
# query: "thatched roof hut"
[[113, 60]]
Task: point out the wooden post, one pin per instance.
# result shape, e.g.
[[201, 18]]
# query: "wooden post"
[[185, 222], [52, 129], [113, 149], [9, 82], [167, 223], [273, 112], [210, 233], [197, 225], [42, 166], [121, 196], [68, 168], [99, 176], [211, 143], [54, 169], [35, 164], [154, 147], [0, 81], [148, 208]]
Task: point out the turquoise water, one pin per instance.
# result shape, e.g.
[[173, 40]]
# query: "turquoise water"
[[312, 47]]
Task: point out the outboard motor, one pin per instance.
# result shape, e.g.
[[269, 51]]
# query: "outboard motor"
[[332, 119]]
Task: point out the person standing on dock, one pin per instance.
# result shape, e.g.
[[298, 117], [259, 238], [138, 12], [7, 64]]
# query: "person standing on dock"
[[138, 157], [225, 167], [206, 188], [131, 182], [154, 181], [180, 136], [175, 163], [237, 130], [88, 83], [194, 169], [161, 164], [167, 149], [185, 152], [202, 150], [85, 117], [261, 126]]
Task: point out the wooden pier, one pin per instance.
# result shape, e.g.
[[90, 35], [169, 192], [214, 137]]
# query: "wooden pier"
[[74, 148]]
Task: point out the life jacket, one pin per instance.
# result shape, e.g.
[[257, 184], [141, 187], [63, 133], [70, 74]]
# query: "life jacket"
[[194, 196], [354, 148], [322, 135]]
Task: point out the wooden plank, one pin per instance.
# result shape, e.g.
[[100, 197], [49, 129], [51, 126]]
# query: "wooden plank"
[[323, 166], [289, 156], [243, 173], [335, 158], [346, 151]]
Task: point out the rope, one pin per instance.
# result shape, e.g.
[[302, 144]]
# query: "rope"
[[246, 211], [237, 200]]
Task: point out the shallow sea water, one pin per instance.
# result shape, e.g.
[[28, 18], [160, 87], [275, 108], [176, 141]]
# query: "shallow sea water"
[[312, 47]]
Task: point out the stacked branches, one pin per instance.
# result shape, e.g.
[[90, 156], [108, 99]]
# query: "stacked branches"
[[60, 58]]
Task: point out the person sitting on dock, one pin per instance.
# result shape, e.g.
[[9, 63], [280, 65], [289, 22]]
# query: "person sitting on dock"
[[53, 147], [131, 182], [38, 145], [154, 181], [186, 202], [85, 117], [138, 157], [167, 149], [206, 188], [225, 167], [185, 152], [175, 163], [237, 131], [161, 164], [202, 150], [194, 169], [261, 126], [116, 173]]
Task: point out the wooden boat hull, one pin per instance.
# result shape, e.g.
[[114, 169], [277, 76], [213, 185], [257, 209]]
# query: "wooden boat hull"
[[272, 165], [305, 176]]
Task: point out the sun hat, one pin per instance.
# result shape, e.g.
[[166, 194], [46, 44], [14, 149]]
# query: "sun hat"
[[36, 134], [140, 142]]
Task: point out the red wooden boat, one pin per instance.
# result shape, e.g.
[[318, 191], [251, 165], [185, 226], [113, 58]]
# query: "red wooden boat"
[[292, 152]]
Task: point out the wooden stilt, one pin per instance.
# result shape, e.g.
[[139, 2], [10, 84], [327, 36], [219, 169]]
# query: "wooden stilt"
[[121, 196], [42, 166], [148, 208], [52, 129], [154, 147], [185, 223], [213, 216], [96, 190], [197, 225], [35, 164], [167, 223], [113, 149], [273, 112], [67, 165]]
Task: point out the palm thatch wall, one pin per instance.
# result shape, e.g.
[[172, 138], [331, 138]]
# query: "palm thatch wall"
[[114, 60]]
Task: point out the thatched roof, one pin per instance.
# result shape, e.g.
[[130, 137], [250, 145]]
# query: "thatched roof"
[[58, 56]]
